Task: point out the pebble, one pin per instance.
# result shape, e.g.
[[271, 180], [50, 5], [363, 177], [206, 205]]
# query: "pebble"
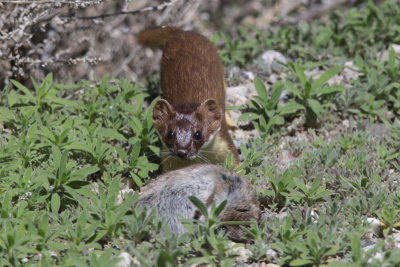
[[349, 72], [269, 61], [384, 56], [375, 225]]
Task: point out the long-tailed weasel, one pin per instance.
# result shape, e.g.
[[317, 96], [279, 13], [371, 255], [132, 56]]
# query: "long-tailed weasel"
[[190, 119], [169, 195]]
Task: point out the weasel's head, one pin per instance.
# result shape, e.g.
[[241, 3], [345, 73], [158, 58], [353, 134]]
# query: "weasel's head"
[[187, 128]]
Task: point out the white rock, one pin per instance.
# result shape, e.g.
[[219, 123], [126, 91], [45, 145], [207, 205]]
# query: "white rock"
[[243, 252], [234, 71], [271, 253], [314, 216], [269, 61], [125, 259], [350, 71], [396, 48], [396, 238], [375, 225], [384, 56], [240, 90], [249, 75]]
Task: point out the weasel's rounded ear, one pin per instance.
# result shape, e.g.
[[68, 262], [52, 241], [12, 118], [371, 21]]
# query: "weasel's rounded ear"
[[211, 113], [161, 112]]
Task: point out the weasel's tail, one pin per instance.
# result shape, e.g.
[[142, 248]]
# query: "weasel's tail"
[[156, 37]]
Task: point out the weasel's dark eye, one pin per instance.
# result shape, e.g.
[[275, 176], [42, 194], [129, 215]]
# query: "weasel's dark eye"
[[197, 135], [170, 135]]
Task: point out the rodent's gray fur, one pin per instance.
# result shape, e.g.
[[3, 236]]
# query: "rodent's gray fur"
[[169, 195]]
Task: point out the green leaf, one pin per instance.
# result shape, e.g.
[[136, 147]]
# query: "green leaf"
[[56, 154], [6, 114], [307, 89], [114, 187], [220, 208], [332, 251], [329, 90], [35, 84], [276, 93], [111, 133], [47, 133], [122, 153], [260, 88], [136, 125], [326, 76], [84, 172], [314, 105], [22, 88], [12, 98], [200, 205], [257, 102], [79, 147], [300, 184], [235, 107], [164, 259], [43, 225], [275, 120], [136, 179], [392, 58], [355, 248], [62, 168], [290, 108], [315, 183], [300, 73], [290, 86], [300, 262], [77, 184], [63, 102], [57, 246], [249, 116], [103, 85], [55, 202]]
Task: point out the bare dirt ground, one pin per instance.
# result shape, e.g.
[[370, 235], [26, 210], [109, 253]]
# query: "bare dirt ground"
[[38, 37]]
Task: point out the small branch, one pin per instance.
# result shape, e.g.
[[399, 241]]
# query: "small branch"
[[73, 61], [58, 2], [134, 12], [322, 10]]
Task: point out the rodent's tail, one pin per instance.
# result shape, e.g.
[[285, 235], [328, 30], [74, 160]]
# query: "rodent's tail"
[[156, 37]]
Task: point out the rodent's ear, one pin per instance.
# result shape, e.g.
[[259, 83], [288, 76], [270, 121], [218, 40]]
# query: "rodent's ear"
[[211, 113], [161, 112]]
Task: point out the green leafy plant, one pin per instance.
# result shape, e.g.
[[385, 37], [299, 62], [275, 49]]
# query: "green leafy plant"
[[214, 248], [310, 195], [44, 97], [282, 185], [266, 113], [265, 107], [311, 93], [315, 250], [390, 217], [259, 233], [252, 156]]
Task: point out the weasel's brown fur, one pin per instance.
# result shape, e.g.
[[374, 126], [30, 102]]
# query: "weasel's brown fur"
[[192, 82]]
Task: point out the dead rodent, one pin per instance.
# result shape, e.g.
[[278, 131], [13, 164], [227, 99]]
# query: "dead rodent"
[[169, 195], [191, 118]]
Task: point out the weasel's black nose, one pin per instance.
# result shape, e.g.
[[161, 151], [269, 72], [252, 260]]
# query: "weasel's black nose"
[[182, 153]]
